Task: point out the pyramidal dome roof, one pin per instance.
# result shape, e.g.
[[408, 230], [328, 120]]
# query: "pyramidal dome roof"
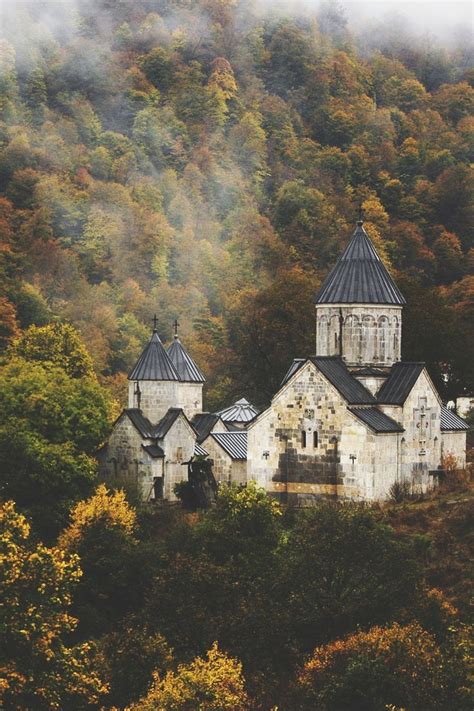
[[154, 363], [359, 276], [240, 411], [186, 368]]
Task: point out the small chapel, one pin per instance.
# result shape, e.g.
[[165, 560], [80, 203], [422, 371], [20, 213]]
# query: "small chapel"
[[348, 422]]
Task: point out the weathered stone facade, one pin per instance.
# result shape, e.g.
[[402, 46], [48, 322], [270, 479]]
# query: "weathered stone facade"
[[454, 443], [420, 446], [178, 446], [225, 469], [308, 444], [371, 334], [124, 460], [314, 440], [348, 423], [155, 397]]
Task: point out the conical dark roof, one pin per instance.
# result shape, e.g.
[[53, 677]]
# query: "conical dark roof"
[[186, 368], [154, 363], [359, 276]]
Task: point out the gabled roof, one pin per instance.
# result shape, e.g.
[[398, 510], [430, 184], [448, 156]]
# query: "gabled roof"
[[335, 370], [240, 411], [203, 424], [200, 451], [166, 422], [233, 443], [370, 371], [186, 368], [294, 367], [376, 419], [154, 363], [452, 422], [359, 276], [141, 423], [154, 451], [147, 429], [399, 383]]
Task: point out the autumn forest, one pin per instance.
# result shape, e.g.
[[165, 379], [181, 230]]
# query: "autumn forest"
[[206, 161]]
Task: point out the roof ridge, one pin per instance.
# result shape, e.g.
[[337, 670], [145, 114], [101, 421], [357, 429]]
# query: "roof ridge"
[[359, 276], [188, 371], [376, 419], [400, 382], [451, 421], [154, 362], [342, 379], [239, 449], [238, 412]]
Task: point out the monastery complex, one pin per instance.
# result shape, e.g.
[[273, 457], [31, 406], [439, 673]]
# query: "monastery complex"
[[349, 421]]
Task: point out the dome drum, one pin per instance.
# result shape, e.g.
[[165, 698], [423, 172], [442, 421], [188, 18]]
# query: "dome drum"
[[362, 334]]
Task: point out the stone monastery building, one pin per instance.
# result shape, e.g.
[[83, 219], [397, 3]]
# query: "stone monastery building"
[[347, 422]]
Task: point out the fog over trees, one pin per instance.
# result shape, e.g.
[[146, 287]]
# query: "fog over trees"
[[206, 160]]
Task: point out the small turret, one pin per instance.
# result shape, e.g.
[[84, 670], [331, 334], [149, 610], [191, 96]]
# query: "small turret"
[[162, 379], [185, 366], [359, 307], [154, 363]]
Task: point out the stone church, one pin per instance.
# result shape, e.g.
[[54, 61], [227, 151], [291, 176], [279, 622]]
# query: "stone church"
[[164, 426], [347, 422]]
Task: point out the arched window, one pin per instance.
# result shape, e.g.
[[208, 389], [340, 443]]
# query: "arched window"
[[323, 335], [368, 339], [357, 346], [347, 345], [303, 439], [396, 338], [352, 338], [315, 439], [382, 336], [334, 330]]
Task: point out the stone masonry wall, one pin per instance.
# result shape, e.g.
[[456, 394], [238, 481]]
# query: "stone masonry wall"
[[178, 446], [125, 461], [157, 396], [225, 469], [277, 459], [454, 443], [420, 444], [371, 383], [371, 333]]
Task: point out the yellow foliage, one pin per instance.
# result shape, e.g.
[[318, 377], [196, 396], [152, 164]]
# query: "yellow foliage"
[[375, 223], [110, 507], [212, 684], [407, 652], [35, 589], [222, 79]]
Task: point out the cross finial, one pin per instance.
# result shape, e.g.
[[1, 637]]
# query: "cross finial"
[[176, 326], [155, 324], [360, 221]]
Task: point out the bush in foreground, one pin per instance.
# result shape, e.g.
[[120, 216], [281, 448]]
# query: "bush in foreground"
[[212, 684], [399, 666]]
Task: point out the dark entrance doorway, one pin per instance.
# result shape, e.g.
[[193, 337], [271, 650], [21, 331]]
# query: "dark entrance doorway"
[[158, 487]]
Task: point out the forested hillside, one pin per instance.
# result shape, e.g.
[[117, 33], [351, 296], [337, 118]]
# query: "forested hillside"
[[205, 159]]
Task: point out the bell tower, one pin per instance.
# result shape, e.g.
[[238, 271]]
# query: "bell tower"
[[359, 308], [162, 379]]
